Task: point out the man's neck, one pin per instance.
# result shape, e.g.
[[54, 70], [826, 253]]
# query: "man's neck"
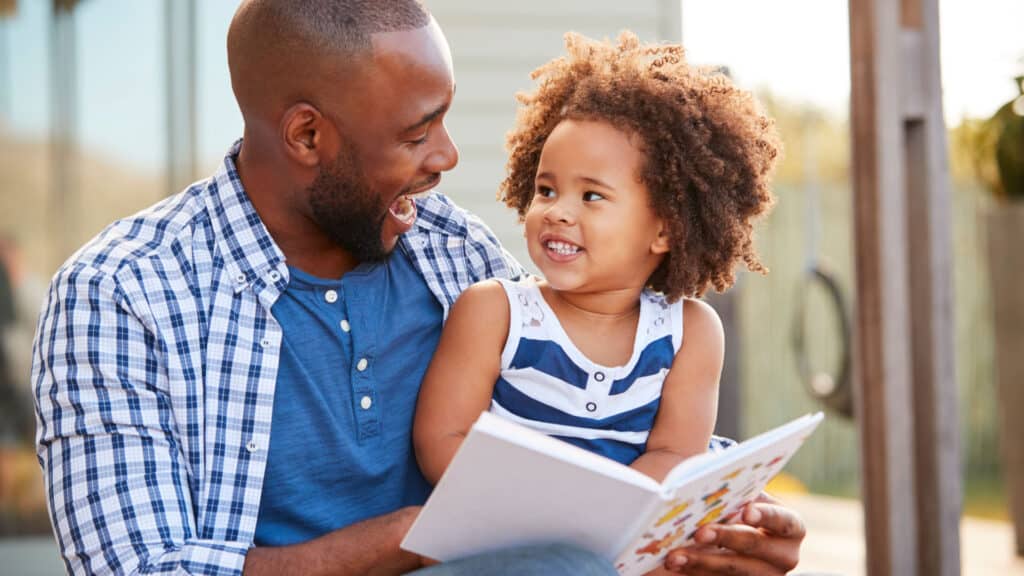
[[299, 238]]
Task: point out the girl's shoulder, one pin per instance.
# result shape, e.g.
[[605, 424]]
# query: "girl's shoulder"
[[484, 296]]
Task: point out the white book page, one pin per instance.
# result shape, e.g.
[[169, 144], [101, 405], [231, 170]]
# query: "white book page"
[[712, 488], [501, 491], [698, 465], [516, 434]]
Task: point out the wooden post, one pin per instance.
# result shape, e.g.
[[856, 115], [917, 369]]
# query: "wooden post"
[[906, 393], [1005, 230]]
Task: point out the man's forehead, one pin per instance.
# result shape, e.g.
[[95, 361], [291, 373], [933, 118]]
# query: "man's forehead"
[[425, 46]]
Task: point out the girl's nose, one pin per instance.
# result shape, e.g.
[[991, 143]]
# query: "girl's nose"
[[559, 213]]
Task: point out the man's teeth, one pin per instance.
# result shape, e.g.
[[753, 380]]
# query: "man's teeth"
[[419, 195], [403, 208], [563, 248]]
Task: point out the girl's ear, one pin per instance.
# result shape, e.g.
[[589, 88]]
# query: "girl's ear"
[[662, 242]]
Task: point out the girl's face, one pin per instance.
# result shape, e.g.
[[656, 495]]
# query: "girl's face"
[[590, 226]]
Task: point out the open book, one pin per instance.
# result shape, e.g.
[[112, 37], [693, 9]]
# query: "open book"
[[510, 486]]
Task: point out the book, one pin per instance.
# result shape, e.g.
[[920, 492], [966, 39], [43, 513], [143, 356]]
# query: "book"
[[511, 486]]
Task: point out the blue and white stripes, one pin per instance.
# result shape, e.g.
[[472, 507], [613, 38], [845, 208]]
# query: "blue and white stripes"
[[546, 383]]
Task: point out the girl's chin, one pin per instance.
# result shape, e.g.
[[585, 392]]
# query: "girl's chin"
[[561, 282]]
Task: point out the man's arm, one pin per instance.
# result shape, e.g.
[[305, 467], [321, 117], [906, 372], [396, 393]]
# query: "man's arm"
[[114, 469], [369, 547], [115, 473]]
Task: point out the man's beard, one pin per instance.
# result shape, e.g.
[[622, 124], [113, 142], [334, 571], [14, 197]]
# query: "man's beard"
[[347, 210]]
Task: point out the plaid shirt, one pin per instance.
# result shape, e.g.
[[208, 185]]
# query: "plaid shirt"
[[155, 366]]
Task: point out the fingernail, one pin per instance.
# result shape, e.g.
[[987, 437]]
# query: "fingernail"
[[753, 515], [707, 536], [676, 561]]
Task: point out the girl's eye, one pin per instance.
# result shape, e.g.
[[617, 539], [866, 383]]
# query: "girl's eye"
[[592, 196], [545, 192]]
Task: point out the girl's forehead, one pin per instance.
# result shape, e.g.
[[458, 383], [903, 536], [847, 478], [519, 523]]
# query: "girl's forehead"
[[594, 145]]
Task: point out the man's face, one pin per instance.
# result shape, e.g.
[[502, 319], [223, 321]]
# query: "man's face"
[[394, 144]]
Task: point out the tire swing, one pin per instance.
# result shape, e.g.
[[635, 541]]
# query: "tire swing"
[[832, 387]]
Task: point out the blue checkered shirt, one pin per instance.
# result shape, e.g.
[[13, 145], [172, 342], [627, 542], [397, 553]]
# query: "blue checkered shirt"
[[155, 365], [154, 370]]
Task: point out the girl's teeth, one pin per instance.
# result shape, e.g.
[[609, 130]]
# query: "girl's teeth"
[[563, 248]]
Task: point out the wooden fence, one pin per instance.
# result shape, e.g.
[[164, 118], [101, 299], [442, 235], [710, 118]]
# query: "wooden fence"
[[771, 388]]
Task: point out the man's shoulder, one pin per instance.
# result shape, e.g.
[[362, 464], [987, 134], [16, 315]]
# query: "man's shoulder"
[[439, 213], [453, 248], [163, 233]]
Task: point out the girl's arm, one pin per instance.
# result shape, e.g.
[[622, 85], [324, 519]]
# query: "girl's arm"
[[460, 380], [689, 396]]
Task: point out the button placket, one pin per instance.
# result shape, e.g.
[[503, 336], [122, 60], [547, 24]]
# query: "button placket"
[[355, 327]]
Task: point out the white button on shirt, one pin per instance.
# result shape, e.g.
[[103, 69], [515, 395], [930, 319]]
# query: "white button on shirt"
[[345, 326], [366, 402], [331, 296], [251, 446], [361, 365]]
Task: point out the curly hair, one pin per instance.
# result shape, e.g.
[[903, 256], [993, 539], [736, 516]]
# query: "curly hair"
[[709, 149]]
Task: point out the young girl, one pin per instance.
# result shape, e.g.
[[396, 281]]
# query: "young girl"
[[637, 177]]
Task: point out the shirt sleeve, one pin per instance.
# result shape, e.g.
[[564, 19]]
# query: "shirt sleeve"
[[719, 443], [486, 254], [114, 471]]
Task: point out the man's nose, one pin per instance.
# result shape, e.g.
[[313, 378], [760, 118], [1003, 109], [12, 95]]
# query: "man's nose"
[[445, 156]]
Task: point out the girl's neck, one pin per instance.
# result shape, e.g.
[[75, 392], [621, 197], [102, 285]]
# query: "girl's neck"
[[601, 325], [607, 306]]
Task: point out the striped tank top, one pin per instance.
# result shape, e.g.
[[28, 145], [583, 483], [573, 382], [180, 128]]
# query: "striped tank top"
[[547, 384]]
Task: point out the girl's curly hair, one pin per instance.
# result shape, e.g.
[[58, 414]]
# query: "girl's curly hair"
[[709, 149]]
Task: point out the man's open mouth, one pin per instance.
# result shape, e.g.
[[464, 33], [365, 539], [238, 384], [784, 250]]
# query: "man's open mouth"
[[404, 207]]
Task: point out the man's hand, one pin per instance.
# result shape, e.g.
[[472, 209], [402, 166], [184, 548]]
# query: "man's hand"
[[765, 542], [367, 547]]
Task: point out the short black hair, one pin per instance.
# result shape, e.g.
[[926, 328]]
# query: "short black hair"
[[343, 24]]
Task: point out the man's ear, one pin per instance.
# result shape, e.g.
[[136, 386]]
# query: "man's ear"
[[663, 241], [302, 128]]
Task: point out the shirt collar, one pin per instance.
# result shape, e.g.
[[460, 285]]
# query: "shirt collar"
[[250, 254]]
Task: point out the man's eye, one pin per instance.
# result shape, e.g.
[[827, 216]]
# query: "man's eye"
[[419, 141], [545, 192], [592, 196]]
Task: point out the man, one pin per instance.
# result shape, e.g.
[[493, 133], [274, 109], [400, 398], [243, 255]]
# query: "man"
[[299, 291]]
